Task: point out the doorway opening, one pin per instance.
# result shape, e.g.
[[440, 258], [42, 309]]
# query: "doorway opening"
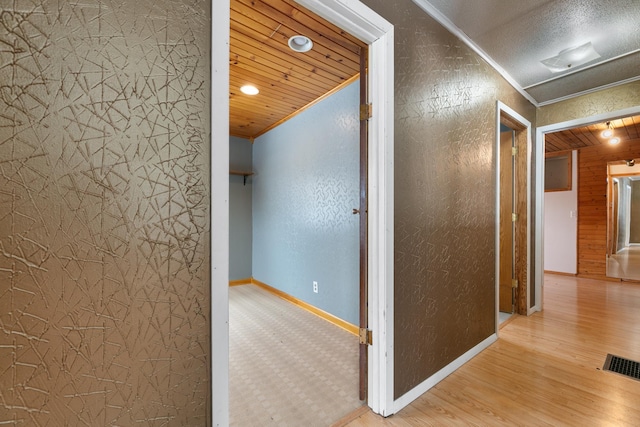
[[513, 148], [508, 212], [305, 181], [368, 26], [539, 185]]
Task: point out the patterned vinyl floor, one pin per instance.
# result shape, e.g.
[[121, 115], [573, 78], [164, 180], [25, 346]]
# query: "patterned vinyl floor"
[[288, 367]]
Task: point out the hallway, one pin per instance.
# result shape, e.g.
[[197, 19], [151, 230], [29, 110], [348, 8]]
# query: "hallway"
[[546, 369], [625, 264]]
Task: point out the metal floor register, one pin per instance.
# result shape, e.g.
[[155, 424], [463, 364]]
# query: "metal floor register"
[[622, 366]]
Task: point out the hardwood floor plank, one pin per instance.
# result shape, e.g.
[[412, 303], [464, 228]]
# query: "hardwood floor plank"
[[545, 369]]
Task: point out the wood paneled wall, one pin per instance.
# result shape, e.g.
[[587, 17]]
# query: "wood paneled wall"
[[592, 203]]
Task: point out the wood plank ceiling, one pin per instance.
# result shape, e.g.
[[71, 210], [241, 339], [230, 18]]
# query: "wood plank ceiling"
[[288, 81], [627, 129]]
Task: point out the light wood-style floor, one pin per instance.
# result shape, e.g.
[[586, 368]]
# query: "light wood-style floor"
[[546, 369], [625, 264]]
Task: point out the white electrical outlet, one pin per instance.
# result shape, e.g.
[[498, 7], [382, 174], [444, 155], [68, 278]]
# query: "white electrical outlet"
[[315, 286]]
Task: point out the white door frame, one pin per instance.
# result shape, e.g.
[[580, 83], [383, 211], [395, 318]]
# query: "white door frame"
[[360, 21], [363, 23], [539, 196], [219, 221]]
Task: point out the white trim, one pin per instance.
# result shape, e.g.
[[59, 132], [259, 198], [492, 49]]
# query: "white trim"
[[351, 16], [588, 91], [357, 19], [500, 109], [381, 229], [537, 304], [381, 202], [539, 185], [219, 221], [434, 379], [446, 22]]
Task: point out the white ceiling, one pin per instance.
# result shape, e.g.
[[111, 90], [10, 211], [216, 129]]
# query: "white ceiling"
[[518, 34]]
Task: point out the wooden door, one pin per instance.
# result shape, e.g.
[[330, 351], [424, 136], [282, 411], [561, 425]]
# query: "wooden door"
[[364, 168], [507, 198]]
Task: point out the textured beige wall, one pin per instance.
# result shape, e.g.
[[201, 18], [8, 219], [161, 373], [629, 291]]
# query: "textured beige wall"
[[104, 154], [445, 160], [600, 102]]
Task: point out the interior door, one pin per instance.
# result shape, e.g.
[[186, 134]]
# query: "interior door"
[[364, 167], [507, 235]]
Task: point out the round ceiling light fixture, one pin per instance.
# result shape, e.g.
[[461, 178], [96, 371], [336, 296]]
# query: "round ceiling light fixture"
[[608, 132], [614, 141], [249, 90], [300, 43]]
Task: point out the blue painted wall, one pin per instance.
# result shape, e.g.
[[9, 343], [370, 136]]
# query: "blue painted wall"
[[304, 190], [240, 224]]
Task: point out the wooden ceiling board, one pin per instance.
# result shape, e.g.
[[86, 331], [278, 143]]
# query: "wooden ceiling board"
[[288, 81], [277, 70], [627, 129], [280, 54], [299, 20]]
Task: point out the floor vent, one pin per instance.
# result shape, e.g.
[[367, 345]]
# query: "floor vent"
[[622, 366]]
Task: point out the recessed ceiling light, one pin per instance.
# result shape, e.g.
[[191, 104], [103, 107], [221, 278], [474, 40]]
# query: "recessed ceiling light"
[[249, 90], [571, 58], [300, 43], [614, 141]]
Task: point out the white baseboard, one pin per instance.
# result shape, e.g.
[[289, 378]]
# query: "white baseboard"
[[423, 387]]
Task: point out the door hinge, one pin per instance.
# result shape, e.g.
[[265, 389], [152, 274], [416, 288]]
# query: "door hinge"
[[366, 336], [514, 283], [514, 217], [514, 151], [366, 111]]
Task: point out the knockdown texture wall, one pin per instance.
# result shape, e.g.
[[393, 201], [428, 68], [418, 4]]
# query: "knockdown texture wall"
[[445, 172], [104, 154], [305, 186], [602, 101]]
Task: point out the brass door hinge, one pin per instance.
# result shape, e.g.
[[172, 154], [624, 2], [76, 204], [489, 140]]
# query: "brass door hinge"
[[514, 283], [366, 111], [514, 217], [366, 336], [514, 151]]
